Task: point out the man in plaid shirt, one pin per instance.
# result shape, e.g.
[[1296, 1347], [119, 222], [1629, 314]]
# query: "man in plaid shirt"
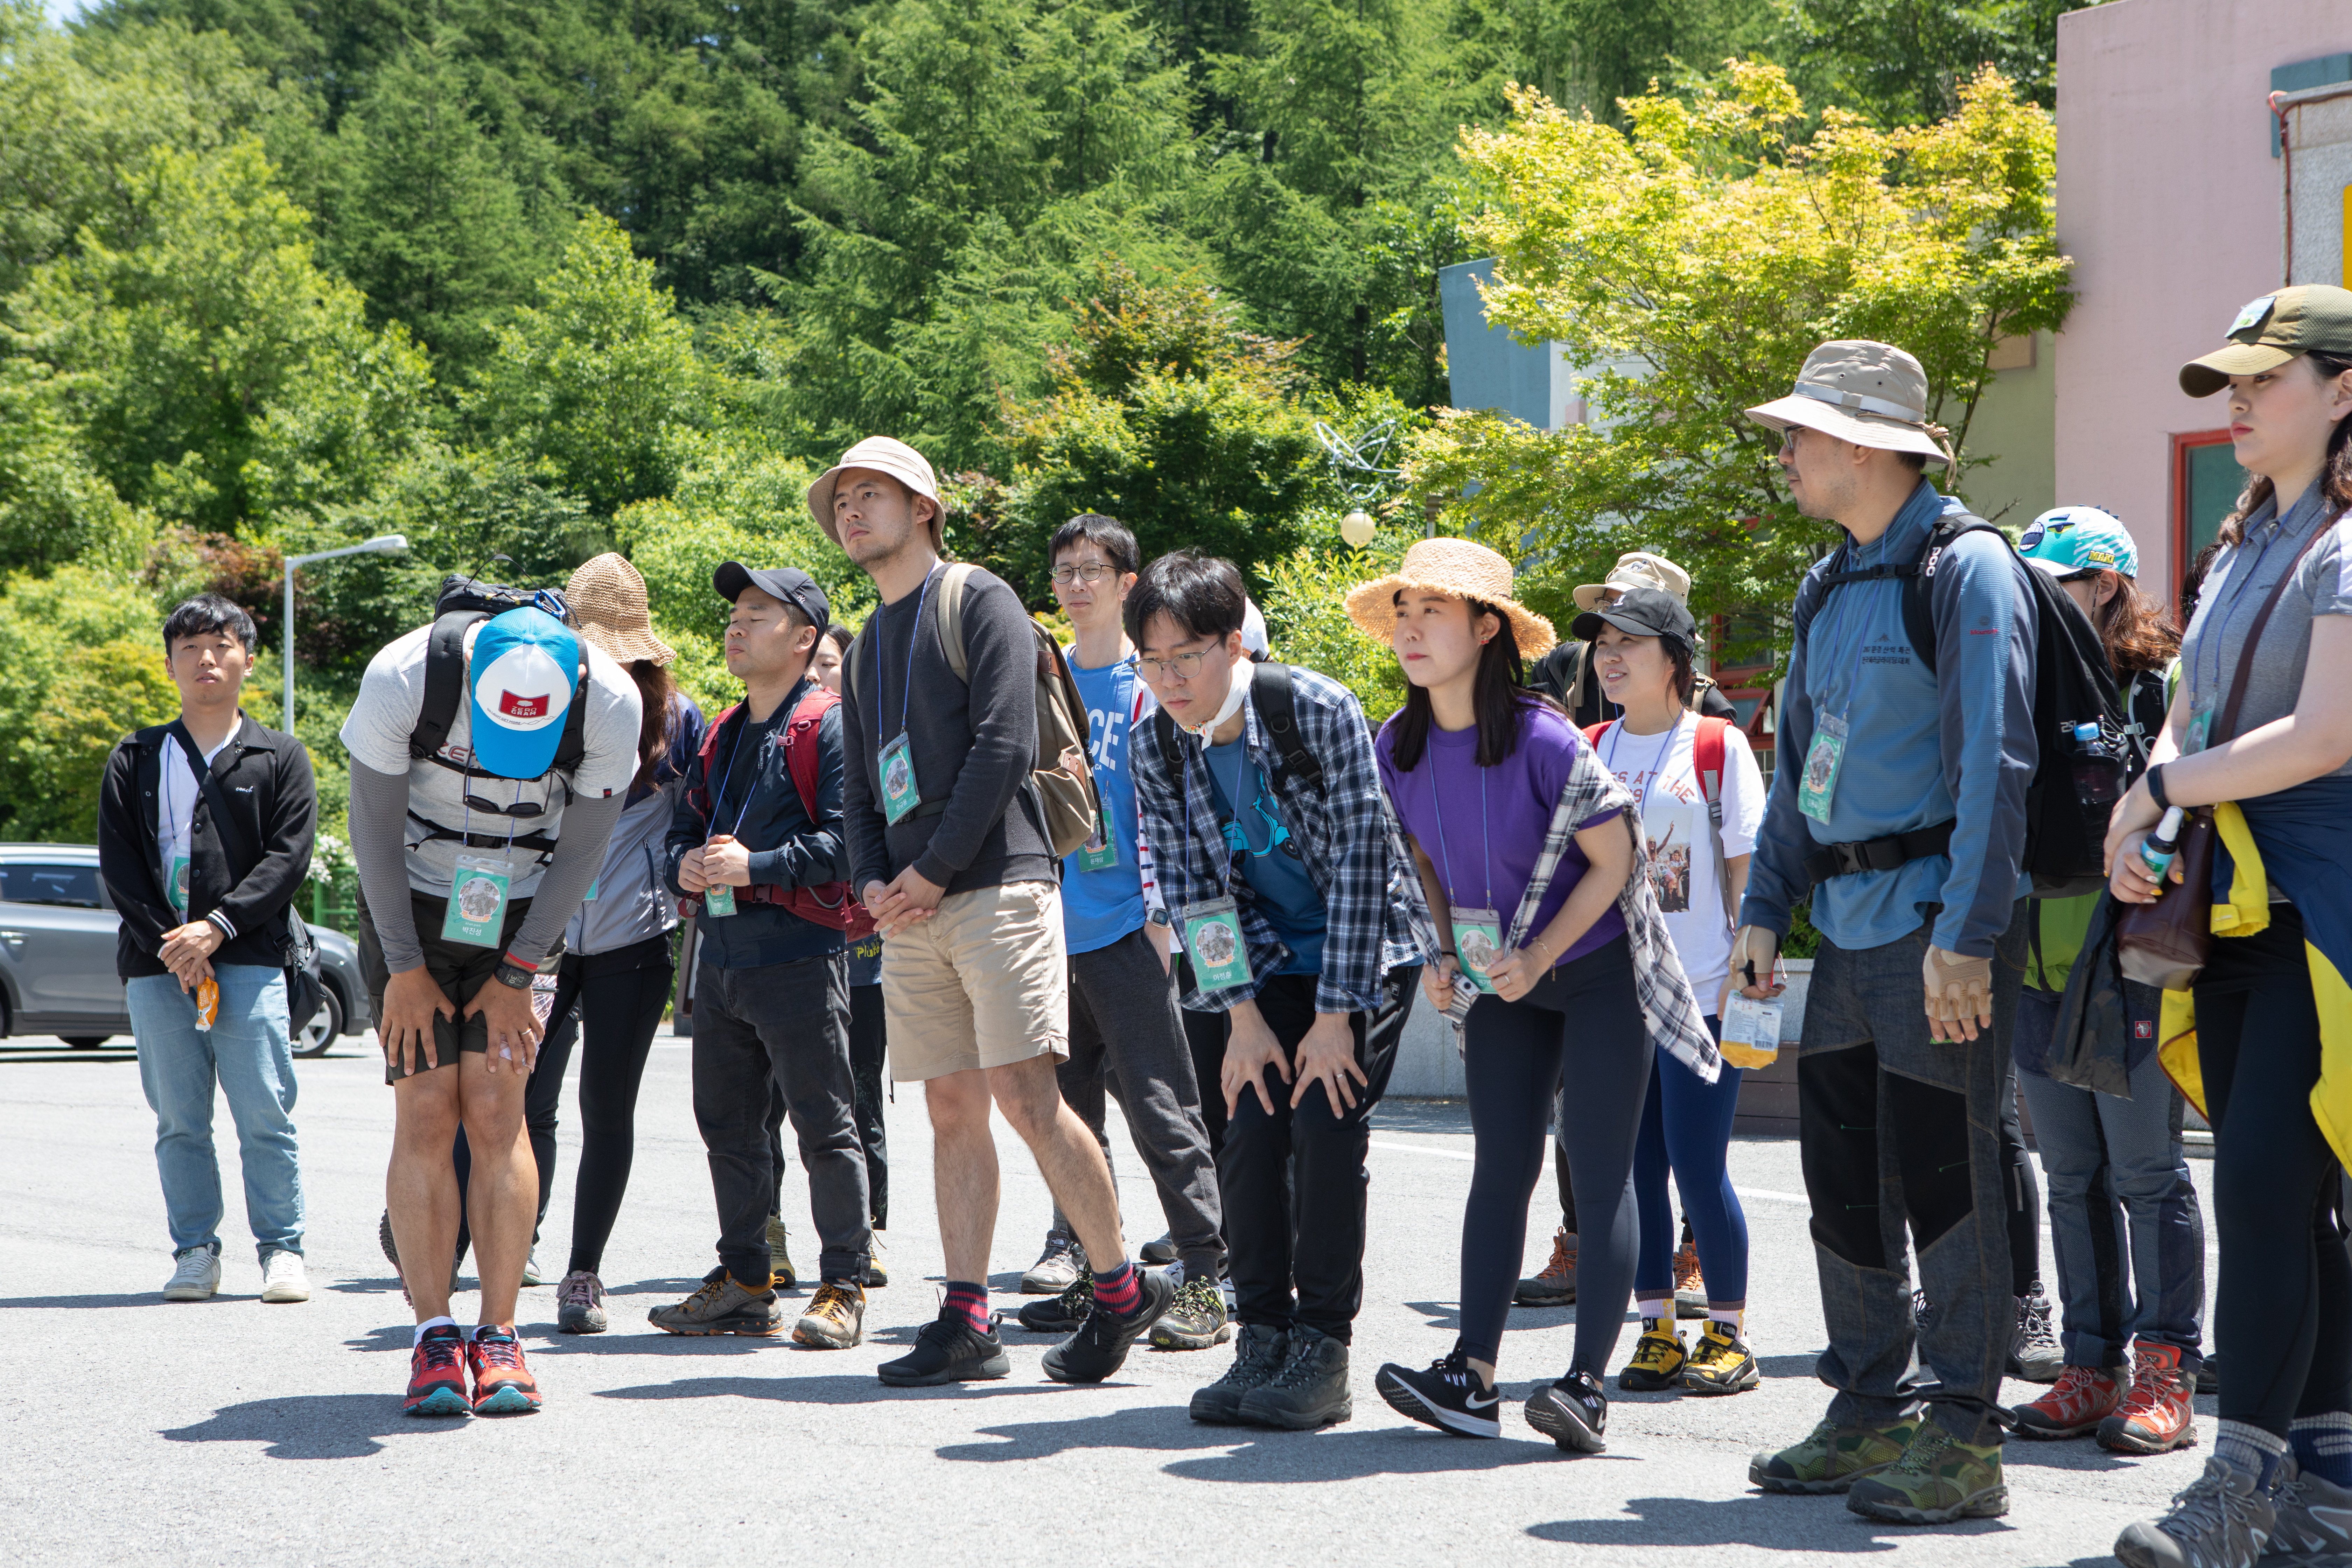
[[1258, 793]]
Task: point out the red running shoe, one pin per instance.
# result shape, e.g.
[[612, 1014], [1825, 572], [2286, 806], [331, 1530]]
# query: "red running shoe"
[[436, 1375], [2156, 1417], [2085, 1395], [502, 1383]]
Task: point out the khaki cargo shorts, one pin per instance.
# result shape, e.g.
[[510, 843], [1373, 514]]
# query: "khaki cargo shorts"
[[985, 983]]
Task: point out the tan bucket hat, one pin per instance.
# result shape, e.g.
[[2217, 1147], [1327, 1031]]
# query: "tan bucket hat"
[[1637, 569], [884, 456], [1873, 395], [607, 596], [1463, 568]]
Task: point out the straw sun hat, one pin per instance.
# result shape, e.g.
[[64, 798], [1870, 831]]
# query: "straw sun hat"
[[1456, 566], [607, 597]]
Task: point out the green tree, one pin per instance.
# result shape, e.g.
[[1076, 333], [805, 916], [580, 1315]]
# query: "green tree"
[[1713, 247], [1908, 62], [86, 662], [1589, 54], [1307, 617]]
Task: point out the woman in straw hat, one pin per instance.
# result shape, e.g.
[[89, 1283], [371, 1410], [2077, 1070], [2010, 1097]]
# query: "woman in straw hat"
[[617, 972], [1543, 913]]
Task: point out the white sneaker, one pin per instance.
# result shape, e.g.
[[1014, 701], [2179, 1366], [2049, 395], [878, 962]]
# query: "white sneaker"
[[530, 1274], [194, 1278], [282, 1279]]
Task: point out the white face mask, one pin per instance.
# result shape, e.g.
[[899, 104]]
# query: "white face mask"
[[1235, 693]]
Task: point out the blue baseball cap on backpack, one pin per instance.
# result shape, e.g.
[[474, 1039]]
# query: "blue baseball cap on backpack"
[[524, 669]]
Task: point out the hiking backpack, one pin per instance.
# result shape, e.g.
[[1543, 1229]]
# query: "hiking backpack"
[[828, 904], [2082, 727]]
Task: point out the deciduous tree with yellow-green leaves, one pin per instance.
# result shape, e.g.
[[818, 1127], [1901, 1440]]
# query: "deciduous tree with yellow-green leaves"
[[1695, 258]]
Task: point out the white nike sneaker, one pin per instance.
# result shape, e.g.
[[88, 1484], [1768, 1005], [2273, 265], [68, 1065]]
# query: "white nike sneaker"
[[195, 1275], [282, 1279]]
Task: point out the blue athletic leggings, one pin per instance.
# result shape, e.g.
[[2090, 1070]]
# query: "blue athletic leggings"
[[1687, 1127]]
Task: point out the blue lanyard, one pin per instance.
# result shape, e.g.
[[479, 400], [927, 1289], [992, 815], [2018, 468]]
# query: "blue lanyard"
[[719, 800], [1656, 761], [1486, 823], [913, 641]]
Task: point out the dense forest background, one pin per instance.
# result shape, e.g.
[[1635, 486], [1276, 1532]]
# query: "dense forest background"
[[526, 281]]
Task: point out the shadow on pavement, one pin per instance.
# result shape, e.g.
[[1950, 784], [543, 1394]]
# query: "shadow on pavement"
[[134, 1298], [1347, 1453], [313, 1426], [837, 1388], [1790, 1524]]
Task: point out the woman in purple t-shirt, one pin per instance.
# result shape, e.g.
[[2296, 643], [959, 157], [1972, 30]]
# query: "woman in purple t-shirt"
[[1475, 765]]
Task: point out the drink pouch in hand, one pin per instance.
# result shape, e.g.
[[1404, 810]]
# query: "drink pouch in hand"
[[207, 1003], [1751, 1032]]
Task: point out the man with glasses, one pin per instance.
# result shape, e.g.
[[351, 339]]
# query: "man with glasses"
[[491, 756], [1125, 1033], [1273, 847], [758, 840]]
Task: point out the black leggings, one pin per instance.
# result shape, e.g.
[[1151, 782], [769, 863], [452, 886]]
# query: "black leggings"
[[1584, 1021], [2024, 1194], [2283, 1297]]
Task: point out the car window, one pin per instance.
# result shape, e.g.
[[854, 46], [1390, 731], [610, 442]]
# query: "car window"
[[31, 882]]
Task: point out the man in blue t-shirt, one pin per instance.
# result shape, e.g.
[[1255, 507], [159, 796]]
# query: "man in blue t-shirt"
[[1125, 1031]]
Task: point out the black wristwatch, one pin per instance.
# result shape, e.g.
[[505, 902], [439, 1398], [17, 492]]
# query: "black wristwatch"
[[513, 975], [1158, 917]]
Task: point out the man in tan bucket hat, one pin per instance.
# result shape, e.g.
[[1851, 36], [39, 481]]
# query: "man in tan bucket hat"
[[891, 459]]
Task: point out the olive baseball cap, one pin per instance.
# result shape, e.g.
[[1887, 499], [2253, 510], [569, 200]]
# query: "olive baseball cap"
[[2272, 331]]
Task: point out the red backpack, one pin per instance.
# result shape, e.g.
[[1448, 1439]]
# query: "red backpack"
[[1706, 760], [829, 904]]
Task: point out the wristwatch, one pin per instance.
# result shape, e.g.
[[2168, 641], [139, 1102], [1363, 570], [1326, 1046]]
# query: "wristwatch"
[[1158, 917], [513, 975]]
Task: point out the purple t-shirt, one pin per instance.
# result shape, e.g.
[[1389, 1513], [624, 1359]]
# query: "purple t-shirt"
[[1505, 830]]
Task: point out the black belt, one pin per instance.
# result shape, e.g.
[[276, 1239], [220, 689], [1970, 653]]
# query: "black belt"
[[1878, 854]]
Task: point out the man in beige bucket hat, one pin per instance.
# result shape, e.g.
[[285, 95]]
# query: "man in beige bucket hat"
[[888, 459], [1899, 810]]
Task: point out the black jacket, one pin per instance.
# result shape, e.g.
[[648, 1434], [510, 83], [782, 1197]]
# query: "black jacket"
[[266, 777]]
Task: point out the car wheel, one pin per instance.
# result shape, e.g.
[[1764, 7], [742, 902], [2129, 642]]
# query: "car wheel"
[[85, 1042], [326, 1026]]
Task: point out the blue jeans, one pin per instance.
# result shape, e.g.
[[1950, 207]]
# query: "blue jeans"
[[2121, 1204], [1687, 1127], [247, 1053]]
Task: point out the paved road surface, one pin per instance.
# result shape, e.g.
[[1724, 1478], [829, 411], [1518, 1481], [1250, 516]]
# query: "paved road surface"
[[231, 1431]]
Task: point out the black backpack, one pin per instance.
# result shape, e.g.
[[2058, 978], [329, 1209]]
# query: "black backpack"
[[1277, 704], [463, 602], [2082, 726]]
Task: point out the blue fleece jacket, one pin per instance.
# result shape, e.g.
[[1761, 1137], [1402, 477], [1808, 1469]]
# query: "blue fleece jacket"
[[1920, 749]]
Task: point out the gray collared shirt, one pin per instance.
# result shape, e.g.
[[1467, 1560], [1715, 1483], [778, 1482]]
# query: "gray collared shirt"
[[2240, 578]]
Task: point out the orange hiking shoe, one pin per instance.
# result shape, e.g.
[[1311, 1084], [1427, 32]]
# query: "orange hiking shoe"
[[1556, 1286], [436, 1375], [2155, 1417], [2085, 1395], [502, 1383], [1690, 1286]]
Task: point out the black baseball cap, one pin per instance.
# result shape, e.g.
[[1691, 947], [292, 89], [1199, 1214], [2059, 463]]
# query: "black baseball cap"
[[1643, 612], [789, 583]]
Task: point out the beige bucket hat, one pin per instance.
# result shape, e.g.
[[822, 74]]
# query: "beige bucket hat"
[[1463, 568], [884, 456], [1636, 569], [607, 596], [1873, 395]]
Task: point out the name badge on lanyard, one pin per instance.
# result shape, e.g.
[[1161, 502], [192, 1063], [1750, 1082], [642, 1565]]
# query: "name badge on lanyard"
[[900, 793], [1818, 783], [1213, 936], [1478, 944], [1099, 853], [477, 902], [178, 891]]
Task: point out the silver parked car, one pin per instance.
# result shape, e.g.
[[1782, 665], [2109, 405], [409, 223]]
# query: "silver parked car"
[[57, 955]]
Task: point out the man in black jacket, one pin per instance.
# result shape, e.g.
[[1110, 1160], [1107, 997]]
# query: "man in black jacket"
[[205, 827]]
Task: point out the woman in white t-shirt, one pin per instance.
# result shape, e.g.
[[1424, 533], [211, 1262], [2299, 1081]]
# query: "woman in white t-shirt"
[[1682, 767]]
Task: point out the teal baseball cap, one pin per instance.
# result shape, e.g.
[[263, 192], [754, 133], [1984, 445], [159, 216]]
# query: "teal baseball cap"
[[2069, 541], [526, 666]]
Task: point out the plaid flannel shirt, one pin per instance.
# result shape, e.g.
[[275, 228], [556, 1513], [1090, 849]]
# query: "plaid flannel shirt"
[[1347, 837], [1670, 1013]]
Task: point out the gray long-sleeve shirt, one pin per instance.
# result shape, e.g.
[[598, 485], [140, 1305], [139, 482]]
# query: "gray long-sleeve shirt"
[[974, 741]]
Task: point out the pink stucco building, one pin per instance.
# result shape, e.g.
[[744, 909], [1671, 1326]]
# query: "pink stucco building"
[[2172, 204]]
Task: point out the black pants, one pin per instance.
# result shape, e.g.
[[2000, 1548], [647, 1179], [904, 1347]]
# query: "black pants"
[[1584, 1019], [868, 1049], [1204, 1033], [779, 1027], [2024, 1194], [1324, 1204], [614, 1001], [2284, 1296]]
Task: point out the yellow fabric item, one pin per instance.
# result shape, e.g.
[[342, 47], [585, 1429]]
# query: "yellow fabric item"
[[2247, 913]]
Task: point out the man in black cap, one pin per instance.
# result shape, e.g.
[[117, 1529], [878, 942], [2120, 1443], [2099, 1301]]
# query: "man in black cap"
[[758, 842]]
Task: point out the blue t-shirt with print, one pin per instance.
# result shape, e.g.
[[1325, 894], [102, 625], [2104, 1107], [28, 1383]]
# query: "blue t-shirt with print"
[[1098, 908], [1267, 858]]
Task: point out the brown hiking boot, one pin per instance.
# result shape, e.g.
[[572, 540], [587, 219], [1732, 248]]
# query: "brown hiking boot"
[[835, 1319], [1556, 1286]]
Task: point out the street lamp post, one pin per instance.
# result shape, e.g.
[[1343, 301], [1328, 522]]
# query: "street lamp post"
[[383, 543]]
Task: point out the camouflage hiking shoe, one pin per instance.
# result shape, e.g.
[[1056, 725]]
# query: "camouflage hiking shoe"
[[1832, 1458], [1938, 1481]]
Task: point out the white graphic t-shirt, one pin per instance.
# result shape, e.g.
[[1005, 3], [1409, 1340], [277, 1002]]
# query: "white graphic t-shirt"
[[1662, 772]]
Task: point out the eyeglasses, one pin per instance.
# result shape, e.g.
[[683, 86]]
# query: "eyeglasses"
[[1182, 666], [1090, 573]]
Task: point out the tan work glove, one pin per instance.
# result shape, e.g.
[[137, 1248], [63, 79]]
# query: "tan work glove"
[[1959, 994], [1761, 946]]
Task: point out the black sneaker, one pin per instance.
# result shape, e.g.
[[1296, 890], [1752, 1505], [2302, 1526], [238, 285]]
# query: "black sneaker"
[[1311, 1389], [1449, 1396], [1195, 1319], [2033, 1351], [1258, 1355], [1573, 1413], [1062, 1314], [1100, 1348], [1159, 1253], [947, 1351]]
